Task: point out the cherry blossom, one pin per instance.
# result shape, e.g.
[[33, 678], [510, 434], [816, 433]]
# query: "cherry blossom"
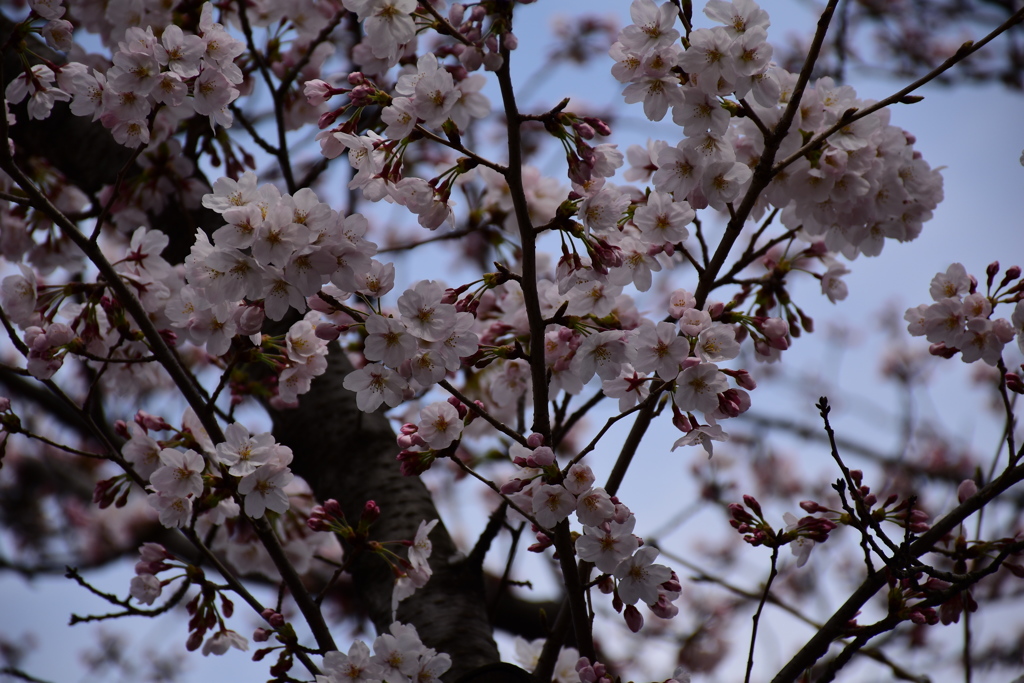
[[354, 667], [263, 489], [375, 384], [180, 474], [607, 547], [698, 386], [639, 578], [440, 424]]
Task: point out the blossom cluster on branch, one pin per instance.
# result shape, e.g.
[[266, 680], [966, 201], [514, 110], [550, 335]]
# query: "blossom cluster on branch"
[[484, 375]]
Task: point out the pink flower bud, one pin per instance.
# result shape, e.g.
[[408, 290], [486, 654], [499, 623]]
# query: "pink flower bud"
[[250, 320], [317, 92], [328, 118], [585, 130], [664, 609], [634, 620], [543, 456], [459, 406], [535, 440], [492, 61], [752, 503], [151, 422], [371, 512], [513, 486], [940, 349], [600, 127], [967, 489], [195, 639], [328, 331], [333, 509], [275, 619]]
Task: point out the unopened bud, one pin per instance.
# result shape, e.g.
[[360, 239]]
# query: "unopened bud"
[[752, 503], [599, 125], [328, 118], [967, 489], [333, 509], [942, 350], [250, 320], [195, 639], [634, 620], [371, 512], [543, 456]]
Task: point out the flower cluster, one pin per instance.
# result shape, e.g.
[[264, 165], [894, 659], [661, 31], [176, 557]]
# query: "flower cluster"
[[168, 78], [607, 540], [861, 184], [178, 479], [145, 586], [415, 350], [399, 656], [960, 320]]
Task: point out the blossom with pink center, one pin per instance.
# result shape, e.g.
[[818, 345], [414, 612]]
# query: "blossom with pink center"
[[388, 341], [551, 504], [606, 548], [594, 507], [263, 490], [630, 387], [142, 451], [663, 220], [375, 384], [639, 578], [717, 343], [173, 511], [698, 386], [181, 474], [36, 83], [440, 424], [602, 353], [244, 453], [355, 667], [660, 349], [424, 314]]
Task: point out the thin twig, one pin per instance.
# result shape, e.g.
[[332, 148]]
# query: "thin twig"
[[760, 607]]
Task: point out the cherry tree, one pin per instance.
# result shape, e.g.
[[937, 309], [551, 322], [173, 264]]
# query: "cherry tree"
[[212, 364]]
